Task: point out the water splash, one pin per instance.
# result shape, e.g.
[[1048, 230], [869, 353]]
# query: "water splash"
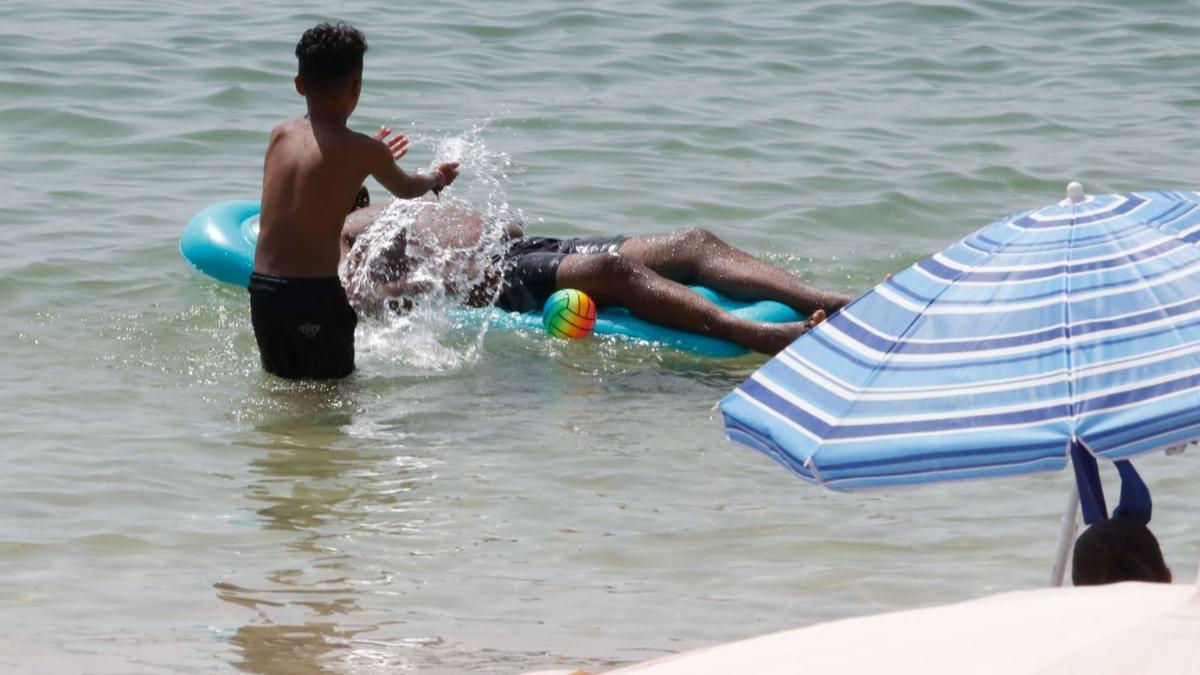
[[486, 172], [412, 271]]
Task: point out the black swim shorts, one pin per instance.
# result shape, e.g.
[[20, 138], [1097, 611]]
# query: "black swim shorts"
[[304, 326], [531, 263]]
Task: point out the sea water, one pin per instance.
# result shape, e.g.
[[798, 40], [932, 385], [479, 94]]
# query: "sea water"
[[503, 502]]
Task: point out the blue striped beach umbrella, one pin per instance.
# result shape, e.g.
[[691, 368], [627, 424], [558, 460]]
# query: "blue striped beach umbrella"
[[1076, 326]]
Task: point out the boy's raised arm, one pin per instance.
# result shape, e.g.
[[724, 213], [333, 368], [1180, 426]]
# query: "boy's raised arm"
[[382, 166]]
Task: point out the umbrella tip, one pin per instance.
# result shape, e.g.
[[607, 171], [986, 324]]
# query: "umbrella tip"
[[1075, 192]]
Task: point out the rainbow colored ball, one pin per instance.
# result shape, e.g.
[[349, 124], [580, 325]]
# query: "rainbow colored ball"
[[569, 314]]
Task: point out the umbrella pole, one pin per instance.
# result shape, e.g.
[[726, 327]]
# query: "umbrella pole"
[[1066, 537]]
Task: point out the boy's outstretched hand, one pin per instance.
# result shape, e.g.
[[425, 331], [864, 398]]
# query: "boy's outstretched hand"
[[397, 144], [399, 183], [444, 175]]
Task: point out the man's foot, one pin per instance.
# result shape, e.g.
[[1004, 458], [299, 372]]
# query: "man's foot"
[[835, 301], [777, 336]]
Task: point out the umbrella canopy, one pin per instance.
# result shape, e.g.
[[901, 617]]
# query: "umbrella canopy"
[[1074, 325], [1120, 629]]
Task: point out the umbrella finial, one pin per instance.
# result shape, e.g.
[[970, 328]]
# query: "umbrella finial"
[[1075, 192]]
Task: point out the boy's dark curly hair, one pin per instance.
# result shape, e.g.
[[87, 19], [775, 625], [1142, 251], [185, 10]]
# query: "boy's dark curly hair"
[[330, 56]]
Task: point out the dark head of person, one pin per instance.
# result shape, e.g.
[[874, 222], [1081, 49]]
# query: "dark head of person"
[[330, 60], [1115, 550]]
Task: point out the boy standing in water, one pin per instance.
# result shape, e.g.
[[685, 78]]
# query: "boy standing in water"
[[311, 175]]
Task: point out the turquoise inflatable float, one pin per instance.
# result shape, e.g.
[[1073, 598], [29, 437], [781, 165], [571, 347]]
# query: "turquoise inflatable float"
[[219, 241]]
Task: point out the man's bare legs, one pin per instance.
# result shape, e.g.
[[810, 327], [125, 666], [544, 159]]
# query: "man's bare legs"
[[612, 279], [697, 256]]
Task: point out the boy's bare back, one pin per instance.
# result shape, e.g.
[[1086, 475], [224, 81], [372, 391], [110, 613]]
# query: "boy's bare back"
[[311, 174]]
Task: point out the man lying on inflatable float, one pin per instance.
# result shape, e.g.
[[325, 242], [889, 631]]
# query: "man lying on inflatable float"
[[647, 275]]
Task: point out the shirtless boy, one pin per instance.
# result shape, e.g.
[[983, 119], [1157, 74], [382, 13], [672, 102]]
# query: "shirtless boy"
[[645, 274], [311, 174]]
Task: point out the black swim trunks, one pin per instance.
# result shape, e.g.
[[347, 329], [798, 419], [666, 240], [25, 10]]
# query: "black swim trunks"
[[304, 326], [530, 264]]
